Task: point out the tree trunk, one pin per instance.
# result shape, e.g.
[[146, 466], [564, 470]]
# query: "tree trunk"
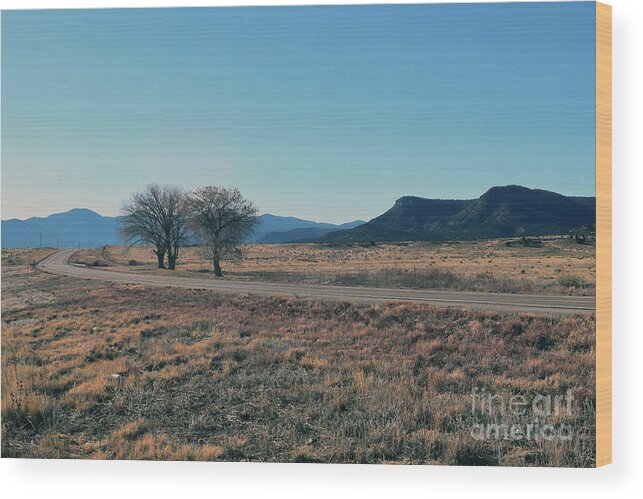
[[217, 267], [172, 255], [160, 255]]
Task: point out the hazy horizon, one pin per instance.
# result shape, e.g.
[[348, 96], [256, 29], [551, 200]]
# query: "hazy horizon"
[[312, 219], [325, 113]]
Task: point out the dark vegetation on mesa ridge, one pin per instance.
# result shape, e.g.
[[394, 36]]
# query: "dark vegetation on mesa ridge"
[[506, 211]]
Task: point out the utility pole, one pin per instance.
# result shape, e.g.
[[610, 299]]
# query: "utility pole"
[[40, 237]]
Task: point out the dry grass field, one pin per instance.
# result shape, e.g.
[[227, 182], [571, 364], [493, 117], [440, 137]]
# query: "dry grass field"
[[107, 371], [558, 265]]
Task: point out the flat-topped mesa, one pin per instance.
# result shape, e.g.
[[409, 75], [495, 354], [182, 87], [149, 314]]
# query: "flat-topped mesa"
[[502, 211]]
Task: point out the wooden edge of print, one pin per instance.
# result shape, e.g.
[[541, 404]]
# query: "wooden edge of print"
[[603, 234]]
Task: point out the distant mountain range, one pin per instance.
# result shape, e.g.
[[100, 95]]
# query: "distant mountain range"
[[506, 211], [303, 230], [81, 227]]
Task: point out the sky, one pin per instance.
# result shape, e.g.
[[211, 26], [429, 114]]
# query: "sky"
[[325, 113]]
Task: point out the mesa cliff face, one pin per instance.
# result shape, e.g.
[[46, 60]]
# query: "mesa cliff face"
[[500, 212]]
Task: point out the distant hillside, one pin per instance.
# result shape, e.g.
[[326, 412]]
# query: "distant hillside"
[[273, 228], [304, 233], [83, 227], [409, 218], [500, 212], [75, 227]]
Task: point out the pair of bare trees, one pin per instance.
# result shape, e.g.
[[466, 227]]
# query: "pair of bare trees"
[[167, 218]]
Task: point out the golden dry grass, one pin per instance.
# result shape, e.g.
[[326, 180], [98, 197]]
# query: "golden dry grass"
[[559, 266], [211, 377]]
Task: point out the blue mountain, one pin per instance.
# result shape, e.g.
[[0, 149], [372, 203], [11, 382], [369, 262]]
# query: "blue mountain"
[[304, 233], [86, 228], [73, 228]]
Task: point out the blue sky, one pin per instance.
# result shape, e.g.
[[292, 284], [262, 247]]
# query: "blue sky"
[[327, 113]]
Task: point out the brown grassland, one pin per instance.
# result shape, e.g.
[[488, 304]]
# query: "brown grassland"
[[108, 371], [553, 265]]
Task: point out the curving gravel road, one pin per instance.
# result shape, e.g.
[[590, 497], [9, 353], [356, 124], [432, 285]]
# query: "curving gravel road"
[[58, 263]]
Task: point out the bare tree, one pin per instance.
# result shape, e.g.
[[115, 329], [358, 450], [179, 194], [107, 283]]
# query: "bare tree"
[[157, 216], [222, 218]]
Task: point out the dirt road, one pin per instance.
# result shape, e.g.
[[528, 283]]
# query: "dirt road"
[[58, 263]]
